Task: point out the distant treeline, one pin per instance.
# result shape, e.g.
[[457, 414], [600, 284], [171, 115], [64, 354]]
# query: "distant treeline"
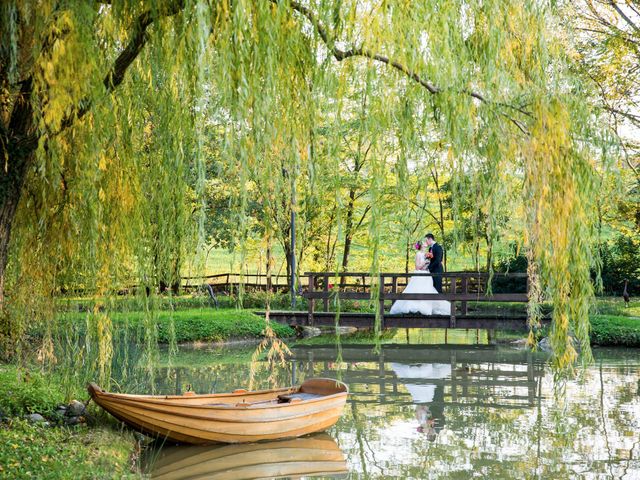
[[620, 259]]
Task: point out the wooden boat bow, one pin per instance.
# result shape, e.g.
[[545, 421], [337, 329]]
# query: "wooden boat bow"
[[238, 417]]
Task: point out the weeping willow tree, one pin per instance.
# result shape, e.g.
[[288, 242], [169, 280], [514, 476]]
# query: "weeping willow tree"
[[105, 106]]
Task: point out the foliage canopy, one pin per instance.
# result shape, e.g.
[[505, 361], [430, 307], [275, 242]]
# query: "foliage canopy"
[[114, 114]]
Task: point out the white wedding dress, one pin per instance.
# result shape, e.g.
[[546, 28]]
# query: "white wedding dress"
[[421, 284]]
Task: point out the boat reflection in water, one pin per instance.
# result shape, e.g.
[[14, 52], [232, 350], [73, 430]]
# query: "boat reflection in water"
[[314, 455]]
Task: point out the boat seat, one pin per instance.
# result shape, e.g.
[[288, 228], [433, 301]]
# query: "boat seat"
[[297, 397]]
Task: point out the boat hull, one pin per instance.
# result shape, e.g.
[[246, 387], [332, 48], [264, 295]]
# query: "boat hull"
[[229, 418]]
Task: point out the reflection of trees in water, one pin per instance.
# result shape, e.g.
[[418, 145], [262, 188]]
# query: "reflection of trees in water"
[[358, 426], [570, 435], [594, 428], [508, 434]]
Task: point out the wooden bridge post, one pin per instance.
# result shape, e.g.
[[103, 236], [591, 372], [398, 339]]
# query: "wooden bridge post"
[[465, 290], [452, 290], [294, 372], [312, 301], [311, 363], [325, 299]]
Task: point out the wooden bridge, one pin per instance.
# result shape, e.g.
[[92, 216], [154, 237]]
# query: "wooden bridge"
[[459, 288]]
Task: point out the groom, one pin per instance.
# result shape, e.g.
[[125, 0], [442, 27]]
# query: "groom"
[[435, 266]]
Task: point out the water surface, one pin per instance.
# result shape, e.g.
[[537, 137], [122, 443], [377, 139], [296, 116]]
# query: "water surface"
[[427, 411]]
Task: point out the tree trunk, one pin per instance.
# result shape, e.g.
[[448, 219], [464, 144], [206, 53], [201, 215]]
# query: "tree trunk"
[[348, 234], [7, 214], [17, 151], [287, 253], [268, 264], [406, 257], [489, 253], [11, 183], [436, 181], [16, 154]]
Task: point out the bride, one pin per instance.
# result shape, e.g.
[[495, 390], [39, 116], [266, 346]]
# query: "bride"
[[421, 284]]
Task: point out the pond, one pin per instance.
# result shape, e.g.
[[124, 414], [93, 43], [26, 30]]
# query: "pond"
[[424, 411]]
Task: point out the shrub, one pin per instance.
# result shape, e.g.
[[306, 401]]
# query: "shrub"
[[620, 262], [517, 264], [23, 392], [615, 331], [216, 325]]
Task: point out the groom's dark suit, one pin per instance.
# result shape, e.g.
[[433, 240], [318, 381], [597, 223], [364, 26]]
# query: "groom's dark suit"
[[435, 266]]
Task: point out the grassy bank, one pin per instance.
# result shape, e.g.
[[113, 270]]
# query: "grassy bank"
[[615, 330], [208, 325], [615, 325], [195, 319], [36, 450], [195, 324]]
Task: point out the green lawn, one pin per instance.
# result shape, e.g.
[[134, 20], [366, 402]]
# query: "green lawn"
[[614, 330], [197, 324], [194, 318]]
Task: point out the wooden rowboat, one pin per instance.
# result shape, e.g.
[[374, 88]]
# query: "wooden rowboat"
[[311, 456], [238, 417]]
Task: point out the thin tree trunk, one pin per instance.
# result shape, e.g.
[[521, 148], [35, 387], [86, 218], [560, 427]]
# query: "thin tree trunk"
[[348, 234], [489, 252], [268, 264], [8, 210], [436, 181], [329, 251], [287, 253], [406, 257]]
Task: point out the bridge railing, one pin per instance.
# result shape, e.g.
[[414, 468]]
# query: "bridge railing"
[[459, 288], [224, 282]]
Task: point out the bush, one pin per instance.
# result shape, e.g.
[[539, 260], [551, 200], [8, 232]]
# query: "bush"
[[216, 326], [23, 392], [517, 264], [613, 330], [620, 262]]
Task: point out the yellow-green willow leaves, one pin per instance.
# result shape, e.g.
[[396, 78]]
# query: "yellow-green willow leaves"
[[264, 94]]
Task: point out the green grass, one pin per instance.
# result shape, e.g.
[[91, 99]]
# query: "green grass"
[[612, 330], [216, 326], [197, 324], [23, 392], [33, 451], [37, 451], [615, 306]]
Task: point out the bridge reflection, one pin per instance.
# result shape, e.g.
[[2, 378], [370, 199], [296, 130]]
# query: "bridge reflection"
[[470, 376]]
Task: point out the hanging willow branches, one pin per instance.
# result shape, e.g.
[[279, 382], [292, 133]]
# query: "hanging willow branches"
[[115, 113]]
